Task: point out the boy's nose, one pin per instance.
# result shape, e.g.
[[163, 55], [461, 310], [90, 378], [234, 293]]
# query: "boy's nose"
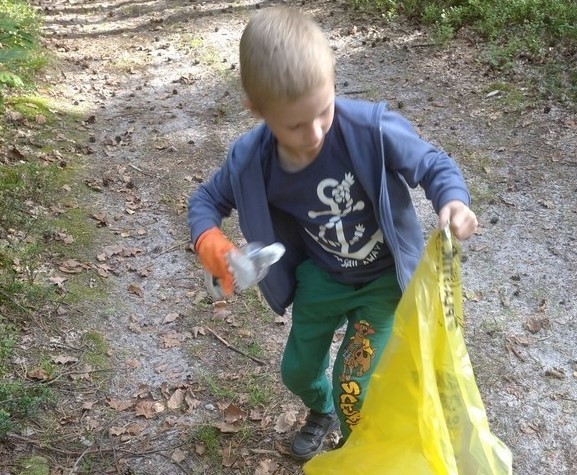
[[315, 132]]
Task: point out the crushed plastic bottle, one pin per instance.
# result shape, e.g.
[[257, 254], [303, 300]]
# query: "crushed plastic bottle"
[[248, 265]]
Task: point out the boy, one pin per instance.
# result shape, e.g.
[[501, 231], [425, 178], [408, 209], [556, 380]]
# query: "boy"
[[327, 177]]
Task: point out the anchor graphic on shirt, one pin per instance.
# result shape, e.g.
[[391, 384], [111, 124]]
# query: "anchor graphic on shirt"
[[338, 199]]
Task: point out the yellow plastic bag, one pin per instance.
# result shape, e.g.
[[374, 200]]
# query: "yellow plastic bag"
[[423, 413]]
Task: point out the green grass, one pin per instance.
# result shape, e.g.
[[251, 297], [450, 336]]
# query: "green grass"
[[7, 343], [31, 106], [97, 350], [219, 389], [261, 389], [34, 465], [209, 437]]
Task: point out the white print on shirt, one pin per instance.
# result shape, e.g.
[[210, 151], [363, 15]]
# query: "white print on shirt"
[[340, 205]]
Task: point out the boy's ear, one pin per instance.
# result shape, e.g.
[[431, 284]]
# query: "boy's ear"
[[246, 102]]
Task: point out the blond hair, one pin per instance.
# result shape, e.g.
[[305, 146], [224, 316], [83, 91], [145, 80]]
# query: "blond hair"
[[283, 56]]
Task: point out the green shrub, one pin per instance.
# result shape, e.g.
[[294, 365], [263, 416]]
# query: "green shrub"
[[542, 32], [19, 52], [19, 401]]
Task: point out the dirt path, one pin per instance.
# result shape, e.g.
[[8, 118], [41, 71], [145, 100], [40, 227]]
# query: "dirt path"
[[156, 84]]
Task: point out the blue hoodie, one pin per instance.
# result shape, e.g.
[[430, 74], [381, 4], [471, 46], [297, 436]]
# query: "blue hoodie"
[[386, 154]]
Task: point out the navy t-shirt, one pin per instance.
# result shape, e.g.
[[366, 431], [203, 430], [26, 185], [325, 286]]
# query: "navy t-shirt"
[[336, 217]]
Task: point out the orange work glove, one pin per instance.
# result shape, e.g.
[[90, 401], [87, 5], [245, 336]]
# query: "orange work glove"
[[212, 247]]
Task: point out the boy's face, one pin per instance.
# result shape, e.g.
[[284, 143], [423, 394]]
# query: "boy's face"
[[300, 126]]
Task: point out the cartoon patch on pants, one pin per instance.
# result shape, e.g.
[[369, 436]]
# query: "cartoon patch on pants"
[[358, 354]]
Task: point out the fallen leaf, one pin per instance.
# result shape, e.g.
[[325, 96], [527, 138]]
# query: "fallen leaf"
[[225, 427], [136, 290], [176, 399], [285, 422], [39, 374], [145, 272], [536, 323], [13, 116], [233, 413], [546, 204], [58, 281], [100, 219], [255, 415], [116, 431], [64, 359], [71, 266], [266, 467], [133, 363], [191, 401], [173, 339], [84, 373], [171, 317], [120, 404], [244, 332], [198, 330], [220, 309], [63, 237], [471, 295], [228, 456], [135, 428], [130, 251], [165, 390], [143, 391], [148, 408], [179, 455]]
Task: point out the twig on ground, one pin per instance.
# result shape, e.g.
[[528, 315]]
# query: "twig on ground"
[[233, 348], [364, 91], [72, 470], [68, 373], [172, 248], [38, 444], [140, 170], [8, 297]]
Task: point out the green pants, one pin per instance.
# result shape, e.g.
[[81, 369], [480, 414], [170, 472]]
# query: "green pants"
[[320, 307]]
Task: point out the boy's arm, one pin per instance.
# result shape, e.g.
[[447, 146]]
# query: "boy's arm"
[[210, 203], [207, 206], [420, 163]]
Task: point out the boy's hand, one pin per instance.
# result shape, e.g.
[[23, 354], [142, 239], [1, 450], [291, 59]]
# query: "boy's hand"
[[463, 222], [212, 247]]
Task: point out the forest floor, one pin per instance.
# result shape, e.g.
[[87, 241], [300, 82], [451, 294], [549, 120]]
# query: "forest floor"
[[184, 385]]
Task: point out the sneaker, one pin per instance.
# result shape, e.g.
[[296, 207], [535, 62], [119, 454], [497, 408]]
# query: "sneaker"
[[309, 440]]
